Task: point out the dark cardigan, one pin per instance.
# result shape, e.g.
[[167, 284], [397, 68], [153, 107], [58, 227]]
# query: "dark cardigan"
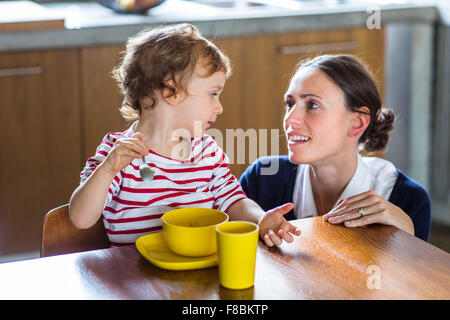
[[270, 191]]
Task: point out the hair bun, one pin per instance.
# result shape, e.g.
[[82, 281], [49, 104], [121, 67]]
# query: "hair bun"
[[377, 135]]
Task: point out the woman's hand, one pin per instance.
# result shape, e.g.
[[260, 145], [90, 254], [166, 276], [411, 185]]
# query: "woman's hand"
[[124, 151], [274, 228], [374, 210]]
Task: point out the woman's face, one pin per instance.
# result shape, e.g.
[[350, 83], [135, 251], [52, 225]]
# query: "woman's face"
[[316, 122]]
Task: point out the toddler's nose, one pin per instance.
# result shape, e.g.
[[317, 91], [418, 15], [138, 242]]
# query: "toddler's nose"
[[219, 108]]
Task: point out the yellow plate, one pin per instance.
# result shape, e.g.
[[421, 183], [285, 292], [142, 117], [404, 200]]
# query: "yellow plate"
[[153, 248]]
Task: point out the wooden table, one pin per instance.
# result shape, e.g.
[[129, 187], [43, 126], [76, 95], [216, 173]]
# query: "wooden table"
[[325, 262]]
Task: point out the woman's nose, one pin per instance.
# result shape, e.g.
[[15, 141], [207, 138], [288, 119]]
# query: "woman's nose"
[[294, 116]]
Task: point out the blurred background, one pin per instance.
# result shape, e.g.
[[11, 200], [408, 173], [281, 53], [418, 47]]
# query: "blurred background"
[[58, 99]]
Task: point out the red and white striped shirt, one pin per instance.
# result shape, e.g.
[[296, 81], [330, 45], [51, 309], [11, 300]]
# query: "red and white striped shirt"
[[133, 207]]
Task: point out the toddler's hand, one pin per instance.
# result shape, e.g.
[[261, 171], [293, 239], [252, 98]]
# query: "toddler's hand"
[[124, 151], [274, 228]]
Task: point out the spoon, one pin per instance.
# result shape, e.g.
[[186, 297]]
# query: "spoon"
[[146, 172]]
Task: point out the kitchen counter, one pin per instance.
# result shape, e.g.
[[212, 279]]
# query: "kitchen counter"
[[89, 23]]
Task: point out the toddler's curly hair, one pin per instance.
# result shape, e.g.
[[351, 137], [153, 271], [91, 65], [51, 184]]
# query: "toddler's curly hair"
[[157, 55]]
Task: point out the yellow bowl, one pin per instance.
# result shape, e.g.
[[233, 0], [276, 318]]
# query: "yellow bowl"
[[191, 232]]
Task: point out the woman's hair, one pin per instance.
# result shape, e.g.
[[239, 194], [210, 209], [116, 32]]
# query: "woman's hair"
[[157, 55], [359, 89]]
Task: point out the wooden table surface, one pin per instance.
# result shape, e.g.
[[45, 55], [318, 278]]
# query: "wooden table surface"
[[325, 262]]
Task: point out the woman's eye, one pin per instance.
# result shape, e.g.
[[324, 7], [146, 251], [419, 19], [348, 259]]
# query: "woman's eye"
[[289, 104], [213, 94], [313, 105]]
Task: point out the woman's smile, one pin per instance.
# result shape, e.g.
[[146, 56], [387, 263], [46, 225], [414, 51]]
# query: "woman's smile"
[[295, 138]]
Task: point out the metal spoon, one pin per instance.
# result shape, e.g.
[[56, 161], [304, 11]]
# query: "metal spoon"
[[146, 172]]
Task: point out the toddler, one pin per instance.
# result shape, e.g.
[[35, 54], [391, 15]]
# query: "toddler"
[[171, 79]]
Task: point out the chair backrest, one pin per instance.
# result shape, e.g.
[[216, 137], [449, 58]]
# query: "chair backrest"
[[60, 236]]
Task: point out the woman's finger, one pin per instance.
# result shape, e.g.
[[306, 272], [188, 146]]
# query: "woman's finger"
[[358, 197], [339, 205], [330, 214], [366, 220], [350, 207], [369, 205], [344, 217], [335, 212], [354, 214]]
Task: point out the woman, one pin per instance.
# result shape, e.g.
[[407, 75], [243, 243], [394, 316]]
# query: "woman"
[[333, 108]]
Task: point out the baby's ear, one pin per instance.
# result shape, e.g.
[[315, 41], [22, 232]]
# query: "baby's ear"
[[147, 102], [172, 94]]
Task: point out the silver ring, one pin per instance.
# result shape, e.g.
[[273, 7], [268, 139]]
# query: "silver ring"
[[361, 212]]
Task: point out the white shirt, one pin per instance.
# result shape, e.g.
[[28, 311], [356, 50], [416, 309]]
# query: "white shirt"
[[371, 173]]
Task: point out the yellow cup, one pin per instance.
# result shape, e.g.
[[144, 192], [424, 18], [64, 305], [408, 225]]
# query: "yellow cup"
[[236, 251], [191, 232]]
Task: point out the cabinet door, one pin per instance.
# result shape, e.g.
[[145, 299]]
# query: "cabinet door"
[[40, 142], [249, 100], [101, 99], [366, 44]]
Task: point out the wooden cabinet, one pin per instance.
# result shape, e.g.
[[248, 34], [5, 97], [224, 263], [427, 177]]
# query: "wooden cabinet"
[[40, 142], [249, 100], [57, 106], [100, 97]]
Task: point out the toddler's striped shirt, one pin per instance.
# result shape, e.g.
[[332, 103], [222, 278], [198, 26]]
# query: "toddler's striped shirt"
[[133, 207]]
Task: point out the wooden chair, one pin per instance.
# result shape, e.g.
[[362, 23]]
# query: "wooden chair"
[[60, 236]]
